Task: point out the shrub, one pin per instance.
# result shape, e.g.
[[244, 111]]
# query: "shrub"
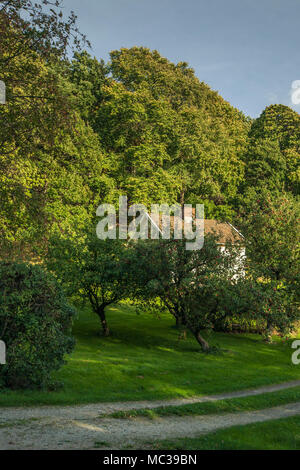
[[35, 324], [249, 305]]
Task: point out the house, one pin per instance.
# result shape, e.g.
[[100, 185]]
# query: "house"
[[228, 233], [224, 231]]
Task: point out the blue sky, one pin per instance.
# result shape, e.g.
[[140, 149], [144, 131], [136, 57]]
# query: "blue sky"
[[247, 50]]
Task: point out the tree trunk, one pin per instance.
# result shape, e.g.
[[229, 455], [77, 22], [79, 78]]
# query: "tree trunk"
[[204, 344], [269, 333], [101, 314]]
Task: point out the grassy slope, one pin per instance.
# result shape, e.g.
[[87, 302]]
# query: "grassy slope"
[[143, 359], [280, 434]]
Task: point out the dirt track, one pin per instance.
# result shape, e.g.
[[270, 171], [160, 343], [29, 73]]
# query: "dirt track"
[[82, 427]]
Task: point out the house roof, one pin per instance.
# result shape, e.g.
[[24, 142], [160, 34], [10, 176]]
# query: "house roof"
[[223, 230]]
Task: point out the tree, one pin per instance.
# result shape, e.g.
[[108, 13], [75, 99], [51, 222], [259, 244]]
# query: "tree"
[[185, 282], [51, 161], [92, 269], [169, 137], [243, 299], [28, 25], [88, 76], [205, 288], [55, 189], [265, 166], [282, 124], [270, 224], [34, 38]]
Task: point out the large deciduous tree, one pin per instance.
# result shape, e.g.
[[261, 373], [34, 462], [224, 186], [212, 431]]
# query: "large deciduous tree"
[[270, 223], [169, 137], [282, 124], [265, 166], [34, 37], [51, 160]]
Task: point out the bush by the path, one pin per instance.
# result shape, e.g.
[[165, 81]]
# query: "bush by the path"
[[35, 324]]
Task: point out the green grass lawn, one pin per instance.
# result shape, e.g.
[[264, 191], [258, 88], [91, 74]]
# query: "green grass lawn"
[[143, 359], [280, 434]]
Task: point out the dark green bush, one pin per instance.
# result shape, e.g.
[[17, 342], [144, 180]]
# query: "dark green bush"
[[247, 305], [35, 324]]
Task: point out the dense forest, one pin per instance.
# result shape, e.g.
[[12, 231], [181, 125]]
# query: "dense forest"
[[77, 132]]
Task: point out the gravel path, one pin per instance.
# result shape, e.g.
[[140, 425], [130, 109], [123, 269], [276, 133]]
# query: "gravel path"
[[116, 434], [98, 409], [82, 427]]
